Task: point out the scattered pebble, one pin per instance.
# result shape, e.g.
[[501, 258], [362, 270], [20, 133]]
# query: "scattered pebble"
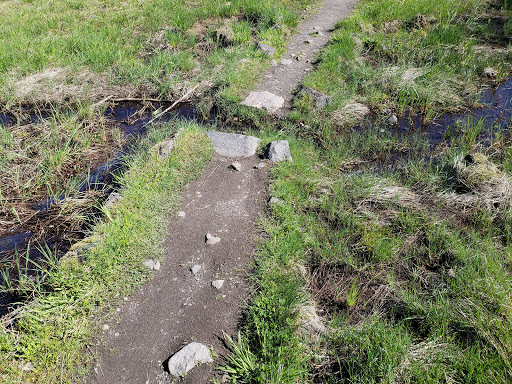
[[236, 166], [274, 200], [181, 214], [210, 239], [259, 166], [308, 41], [195, 269], [217, 284], [118, 309], [116, 334], [152, 264], [106, 327]]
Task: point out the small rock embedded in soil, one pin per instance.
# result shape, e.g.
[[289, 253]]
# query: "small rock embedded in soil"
[[236, 166], [162, 150], [195, 269], [270, 51], [273, 63], [181, 214], [152, 264], [217, 284], [278, 151], [211, 240], [187, 358], [287, 62], [259, 166], [106, 327]]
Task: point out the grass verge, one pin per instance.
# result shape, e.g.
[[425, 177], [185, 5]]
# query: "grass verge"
[[44, 341]]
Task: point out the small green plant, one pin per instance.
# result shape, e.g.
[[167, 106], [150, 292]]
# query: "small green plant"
[[352, 294]]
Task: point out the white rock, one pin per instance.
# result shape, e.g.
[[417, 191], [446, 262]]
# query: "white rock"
[[259, 166], [152, 264], [217, 284], [210, 239], [106, 327], [181, 214], [187, 358], [236, 166], [264, 100], [195, 269]]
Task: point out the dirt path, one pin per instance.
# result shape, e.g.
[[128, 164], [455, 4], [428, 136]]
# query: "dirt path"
[[282, 80], [176, 306]]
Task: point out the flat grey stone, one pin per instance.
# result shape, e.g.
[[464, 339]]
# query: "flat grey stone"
[[265, 100], [278, 151], [217, 284], [211, 240], [287, 62], [152, 264], [195, 269], [232, 144], [270, 51], [259, 166], [236, 166], [187, 358]]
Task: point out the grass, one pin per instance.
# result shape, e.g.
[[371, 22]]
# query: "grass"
[[425, 56], [45, 341], [400, 245]]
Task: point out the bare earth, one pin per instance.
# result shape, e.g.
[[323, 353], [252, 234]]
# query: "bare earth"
[[176, 307], [283, 80]]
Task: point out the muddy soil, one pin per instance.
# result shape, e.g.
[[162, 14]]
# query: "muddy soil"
[[176, 306]]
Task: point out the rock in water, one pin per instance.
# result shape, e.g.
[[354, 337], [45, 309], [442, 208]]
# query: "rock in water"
[[278, 151], [264, 100], [187, 358], [232, 144], [210, 239]]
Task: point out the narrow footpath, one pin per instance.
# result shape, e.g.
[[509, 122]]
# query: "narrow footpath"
[[284, 78], [180, 305]]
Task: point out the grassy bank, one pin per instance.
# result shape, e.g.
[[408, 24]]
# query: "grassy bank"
[[44, 341], [388, 257], [427, 57]]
